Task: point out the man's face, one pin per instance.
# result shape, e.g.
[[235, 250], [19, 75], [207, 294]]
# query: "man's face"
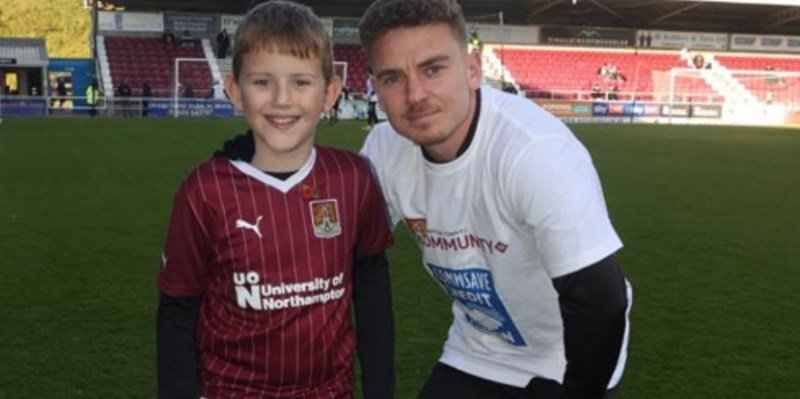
[[426, 83]]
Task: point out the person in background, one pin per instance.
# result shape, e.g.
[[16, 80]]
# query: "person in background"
[[125, 92], [188, 92], [61, 91], [91, 97], [372, 102], [223, 44], [186, 39], [147, 94], [333, 115]]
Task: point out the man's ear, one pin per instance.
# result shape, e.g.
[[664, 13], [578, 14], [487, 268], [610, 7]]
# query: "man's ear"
[[332, 92], [474, 69], [234, 92]]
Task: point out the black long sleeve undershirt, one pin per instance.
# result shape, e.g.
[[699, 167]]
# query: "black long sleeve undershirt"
[[593, 304], [178, 368], [372, 300], [178, 372]]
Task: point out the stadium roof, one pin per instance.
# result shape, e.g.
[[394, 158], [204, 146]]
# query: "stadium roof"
[[718, 16], [24, 51]]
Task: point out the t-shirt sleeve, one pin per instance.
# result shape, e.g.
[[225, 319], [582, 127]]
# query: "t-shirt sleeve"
[[187, 251], [556, 194], [374, 234], [371, 151]]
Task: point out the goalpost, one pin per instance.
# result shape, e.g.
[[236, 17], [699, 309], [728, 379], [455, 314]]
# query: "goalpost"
[[340, 69], [747, 96], [176, 82]]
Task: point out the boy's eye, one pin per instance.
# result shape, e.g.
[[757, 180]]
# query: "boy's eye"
[[302, 82], [261, 82]]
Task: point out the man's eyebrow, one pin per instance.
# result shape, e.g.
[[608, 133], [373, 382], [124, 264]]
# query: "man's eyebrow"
[[433, 60], [423, 64]]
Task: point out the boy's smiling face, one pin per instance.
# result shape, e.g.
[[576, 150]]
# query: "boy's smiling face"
[[282, 98]]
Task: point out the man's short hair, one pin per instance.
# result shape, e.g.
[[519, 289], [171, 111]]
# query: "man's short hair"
[[287, 27], [385, 15]]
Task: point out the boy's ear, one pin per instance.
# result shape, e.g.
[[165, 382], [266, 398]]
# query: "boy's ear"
[[234, 93], [332, 92]]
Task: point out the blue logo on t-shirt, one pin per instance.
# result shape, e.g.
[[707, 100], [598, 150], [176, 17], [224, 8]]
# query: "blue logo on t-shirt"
[[474, 290]]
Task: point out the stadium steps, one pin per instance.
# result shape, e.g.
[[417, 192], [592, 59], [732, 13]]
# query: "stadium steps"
[[212, 60], [105, 70], [720, 79]]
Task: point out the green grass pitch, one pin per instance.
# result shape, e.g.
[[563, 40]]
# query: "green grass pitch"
[[710, 217]]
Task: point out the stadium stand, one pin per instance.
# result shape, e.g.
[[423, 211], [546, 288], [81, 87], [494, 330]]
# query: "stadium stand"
[[356, 64], [559, 73], [777, 89], [139, 59]]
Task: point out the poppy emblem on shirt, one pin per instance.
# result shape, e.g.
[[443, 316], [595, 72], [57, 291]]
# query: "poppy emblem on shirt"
[[325, 218], [310, 193]]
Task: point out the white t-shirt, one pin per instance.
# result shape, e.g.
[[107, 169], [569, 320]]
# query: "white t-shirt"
[[521, 206]]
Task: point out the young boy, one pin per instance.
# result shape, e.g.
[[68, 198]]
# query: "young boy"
[[264, 253]]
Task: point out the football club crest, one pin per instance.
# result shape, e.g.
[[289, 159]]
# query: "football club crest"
[[419, 227], [325, 218]]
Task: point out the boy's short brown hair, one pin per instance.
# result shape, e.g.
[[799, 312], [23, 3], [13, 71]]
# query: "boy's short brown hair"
[[385, 15], [287, 27]]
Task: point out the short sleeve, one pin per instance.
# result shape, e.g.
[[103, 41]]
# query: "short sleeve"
[[187, 250], [556, 193], [370, 151]]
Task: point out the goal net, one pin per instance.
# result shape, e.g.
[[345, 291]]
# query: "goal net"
[[771, 87], [191, 81], [340, 69], [732, 86], [683, 85]]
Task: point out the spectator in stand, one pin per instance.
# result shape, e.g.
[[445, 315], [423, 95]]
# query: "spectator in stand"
[[147, 93], [648, 40], [699, 61], [611, 94], [612, 72], [186, 39], [773, 79], [223, 44], [603, 70], [168, 38], [125, 92], [188, 92], [597, 91]]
